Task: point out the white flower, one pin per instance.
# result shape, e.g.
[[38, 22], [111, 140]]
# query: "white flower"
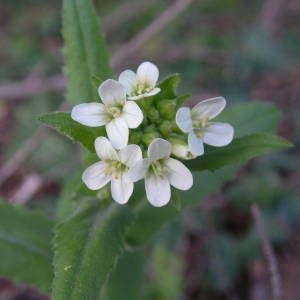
[[116, 113], [142, 83], [196, 123], [113, 168], [160, 171]]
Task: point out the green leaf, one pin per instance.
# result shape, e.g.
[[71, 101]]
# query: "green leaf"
[[251, 117], [166, 269], [149, 219], [240, 150], [25, 248], [69, 200], [175, 200], [181, 99], [125, 281], [64, 124], [84, 51], [96, 81], [168, 87], [86, 249]]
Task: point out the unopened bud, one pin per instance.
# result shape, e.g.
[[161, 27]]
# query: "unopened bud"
[[135, 137], [167, 109], [180, 148], [153, 115], [166, 128], [149, 137]]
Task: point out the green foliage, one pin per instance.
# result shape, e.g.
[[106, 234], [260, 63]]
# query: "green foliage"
[[63, 123], [239, 150], [84, 51], [168, 87], [87, 65], [149, 219], [25, 248], [251, 117], [125, 281], [166, 280], [86, 247], [69, 198], [181, 99], [96, 81]]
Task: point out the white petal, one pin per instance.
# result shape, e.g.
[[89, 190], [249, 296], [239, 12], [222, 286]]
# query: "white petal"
[[121, 189], [112, 92], [139, 170], [158, 190], [149, 72], [135, 98], [89, 114], [104, 149], [128, 78], [158, 149], [132, 114], [210, 108], [195, 144], [183, 119], [130, 155], [94, 176], [218, 134], [117, 132], [179, 175], [151, 93]]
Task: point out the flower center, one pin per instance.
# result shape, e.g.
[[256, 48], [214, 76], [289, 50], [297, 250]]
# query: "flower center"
[[115, 168], [114, 111], [199, 125], [141, 87], [159, 169]]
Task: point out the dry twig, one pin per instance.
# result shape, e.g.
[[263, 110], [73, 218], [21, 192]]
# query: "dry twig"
[[25, 150], [268, 16], [268, 253], [22, 154], [124, 13], [31, 86], [28, 188], [148, 32]]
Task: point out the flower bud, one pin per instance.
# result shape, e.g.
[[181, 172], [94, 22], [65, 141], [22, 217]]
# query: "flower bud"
[[180, 148], [167, 109], [153, 115], [166, 128], [135, 137], [149, 137]]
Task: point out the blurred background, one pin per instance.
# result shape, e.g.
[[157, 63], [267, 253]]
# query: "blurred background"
[[241, 49]]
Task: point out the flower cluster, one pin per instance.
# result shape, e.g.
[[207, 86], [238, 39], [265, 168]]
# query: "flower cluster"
[[158, 129]]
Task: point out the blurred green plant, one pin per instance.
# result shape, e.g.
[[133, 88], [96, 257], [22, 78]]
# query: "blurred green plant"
[[76, 207]]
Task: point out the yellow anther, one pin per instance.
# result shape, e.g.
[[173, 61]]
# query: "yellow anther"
[[114, 168], [159, 170], [113, 111], [107, 171], [204, 122], [199, 125], [141, 87]]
